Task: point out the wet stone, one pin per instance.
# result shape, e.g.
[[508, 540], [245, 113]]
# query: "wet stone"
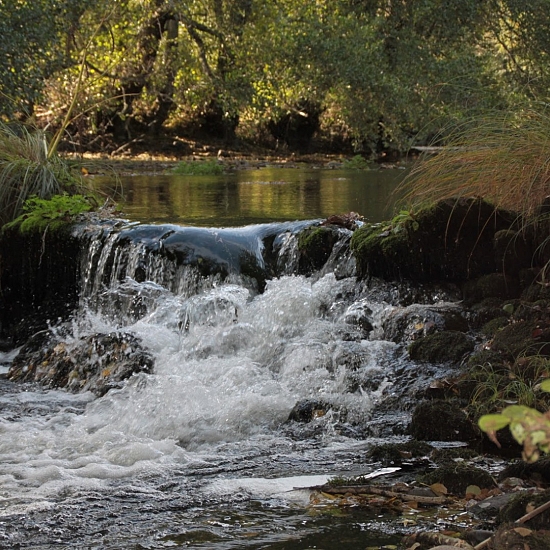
[[96, 363]]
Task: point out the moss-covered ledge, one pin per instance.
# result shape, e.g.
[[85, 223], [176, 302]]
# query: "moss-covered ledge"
[[451, 241]]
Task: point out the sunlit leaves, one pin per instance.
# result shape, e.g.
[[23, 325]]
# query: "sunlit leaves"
[[529, 427]]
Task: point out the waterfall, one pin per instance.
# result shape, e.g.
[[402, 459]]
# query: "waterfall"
[[239, 338]]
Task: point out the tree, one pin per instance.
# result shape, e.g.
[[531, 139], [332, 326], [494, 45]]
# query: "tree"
[[35, 37]]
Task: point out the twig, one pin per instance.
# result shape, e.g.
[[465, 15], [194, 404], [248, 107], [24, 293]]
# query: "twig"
[[373, 490]]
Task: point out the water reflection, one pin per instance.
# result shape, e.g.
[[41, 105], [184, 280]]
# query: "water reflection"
[[257, 196]]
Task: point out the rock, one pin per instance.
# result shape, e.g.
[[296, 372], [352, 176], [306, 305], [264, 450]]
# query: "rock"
[[492, 285], [489, 508], [441, 420], [441, 347], [308, 410], [537, 472], [417, 320], [523, 502], [451, 241], [510, 537], [390, 454], [457, 477], [96, 363], [315, 245], [513, 252], [524, 337]]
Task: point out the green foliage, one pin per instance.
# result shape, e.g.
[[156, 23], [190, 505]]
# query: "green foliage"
[[198, 168], [40, 214], [387, 74], [496, 387], [26, 170], [528, 426], [358, 162]]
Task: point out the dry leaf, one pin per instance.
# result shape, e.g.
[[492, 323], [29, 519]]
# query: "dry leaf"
[[439, 489], [523, 531]]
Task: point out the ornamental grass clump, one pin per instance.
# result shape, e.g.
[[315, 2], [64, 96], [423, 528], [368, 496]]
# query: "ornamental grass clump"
[[29, 169], [503, 158]]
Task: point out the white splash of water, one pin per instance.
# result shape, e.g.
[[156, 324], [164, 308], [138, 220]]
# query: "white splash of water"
[[229, 366]]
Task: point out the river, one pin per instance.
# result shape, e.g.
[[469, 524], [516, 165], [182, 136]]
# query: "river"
[[200, 453]]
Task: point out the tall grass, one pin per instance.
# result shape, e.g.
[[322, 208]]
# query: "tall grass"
[[503, 158], [28, 169]]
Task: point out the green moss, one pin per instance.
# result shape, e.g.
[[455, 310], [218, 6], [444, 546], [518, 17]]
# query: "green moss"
[[457, 476], [357, 162], [52, 214], [315, 245], [313, 238], [396, 453]]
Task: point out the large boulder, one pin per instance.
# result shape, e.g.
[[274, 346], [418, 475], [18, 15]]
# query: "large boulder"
[[450, 241]]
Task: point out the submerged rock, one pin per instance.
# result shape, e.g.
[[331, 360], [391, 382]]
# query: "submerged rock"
[[96, 363]]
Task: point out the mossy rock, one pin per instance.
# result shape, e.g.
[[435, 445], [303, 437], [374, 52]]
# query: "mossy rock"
[[509, 537], [315, 245], [517, 507], [514, 251], [494, 325], [396, 453], [522, 338], [492, 285], [441, 347], [537, 472], [450, 241], [442, 420], [307, 410], [457, 477], [450, 455]]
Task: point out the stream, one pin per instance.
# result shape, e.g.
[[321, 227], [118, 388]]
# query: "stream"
[[200, 453]]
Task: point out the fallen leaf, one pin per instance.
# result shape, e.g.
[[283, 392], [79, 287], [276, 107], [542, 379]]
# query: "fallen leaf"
[[522, 531], [439, 489], [473, 490]]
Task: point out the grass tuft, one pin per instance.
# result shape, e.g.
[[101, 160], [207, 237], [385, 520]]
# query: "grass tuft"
[[27, 170], [199, 168], [503, 157]]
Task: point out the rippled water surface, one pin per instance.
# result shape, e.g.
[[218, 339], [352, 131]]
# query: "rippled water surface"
[[261, 195], [200, 453]]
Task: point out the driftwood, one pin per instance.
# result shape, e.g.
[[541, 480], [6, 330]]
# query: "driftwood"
[[377, 490]]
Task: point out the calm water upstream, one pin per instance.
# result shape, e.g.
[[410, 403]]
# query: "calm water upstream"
[[258, 196], [200, 453]]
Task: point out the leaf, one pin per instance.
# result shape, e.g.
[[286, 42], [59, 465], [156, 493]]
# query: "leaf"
[[473, 490], [523, 531], [545, 386], [518, 412], [493, 422], [508, 308], [439, 489]]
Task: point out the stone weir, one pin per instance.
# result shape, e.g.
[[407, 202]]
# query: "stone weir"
[[44, 275]]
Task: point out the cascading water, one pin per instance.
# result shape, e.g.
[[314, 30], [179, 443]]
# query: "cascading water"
[[200, 452]]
